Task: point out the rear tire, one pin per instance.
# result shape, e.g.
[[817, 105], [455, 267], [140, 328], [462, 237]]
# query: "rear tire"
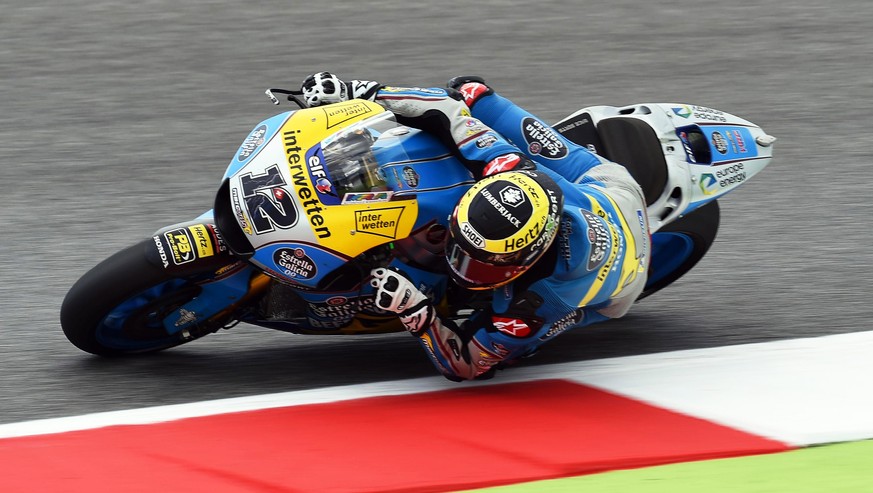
[[116, 308], [678, 246]]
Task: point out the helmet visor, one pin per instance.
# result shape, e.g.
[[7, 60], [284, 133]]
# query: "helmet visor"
[[474, 274]]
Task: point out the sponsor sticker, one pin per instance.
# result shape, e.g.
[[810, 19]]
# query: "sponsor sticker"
[[719, 142], [512, 196], [486, 141], [333, 313], [202, 240], [566, 322], [704, 113], [410, 176], [542, 140], [268, 204], [570, 126], [599, 237], [740, 141], [294, 263], [161, 252], [472, 235], [321, 179], [511, 326], [324, 186], [185, 317], [365, 197], [337, 114], [181, 246], [566, 230], [471, 91], [682, 111], [708, 183], [733, 174], [238, 211], [305, 171], [252, 143], [497, 203], [379, 222], [505, 162], [337, 301], [686, 144]]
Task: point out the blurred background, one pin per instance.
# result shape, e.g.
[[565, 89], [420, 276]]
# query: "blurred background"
[[117, 118]]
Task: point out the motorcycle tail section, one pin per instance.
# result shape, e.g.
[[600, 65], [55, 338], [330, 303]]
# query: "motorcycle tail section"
[[683, 156]]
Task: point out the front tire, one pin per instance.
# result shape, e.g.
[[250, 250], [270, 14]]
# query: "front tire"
[[118, 306]]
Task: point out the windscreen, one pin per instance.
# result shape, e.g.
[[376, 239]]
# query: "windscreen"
[[349, 158]]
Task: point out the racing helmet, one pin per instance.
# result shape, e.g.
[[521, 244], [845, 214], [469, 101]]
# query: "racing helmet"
[[501, 226]]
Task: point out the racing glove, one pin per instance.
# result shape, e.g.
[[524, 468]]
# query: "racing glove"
[[396, 293], [451, 349], [326, 88]]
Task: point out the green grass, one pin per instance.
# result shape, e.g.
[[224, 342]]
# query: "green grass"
[[846, 467]]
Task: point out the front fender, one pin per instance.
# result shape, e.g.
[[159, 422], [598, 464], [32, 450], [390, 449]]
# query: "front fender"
[[190, 247]]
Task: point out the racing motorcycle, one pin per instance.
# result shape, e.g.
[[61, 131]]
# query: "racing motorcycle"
[[315, 198]]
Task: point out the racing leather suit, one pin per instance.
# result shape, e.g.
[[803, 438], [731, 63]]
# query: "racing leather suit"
[[442, 113], [593, 272]]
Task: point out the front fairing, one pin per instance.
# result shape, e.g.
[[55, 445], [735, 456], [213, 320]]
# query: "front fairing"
[[309, 190]]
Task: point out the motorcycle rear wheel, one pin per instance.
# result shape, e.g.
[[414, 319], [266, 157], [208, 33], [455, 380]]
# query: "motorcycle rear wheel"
[[117, 307], [679, 246]]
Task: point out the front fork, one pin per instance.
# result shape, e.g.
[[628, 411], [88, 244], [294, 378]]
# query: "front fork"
[[219, 302], [195, 250]]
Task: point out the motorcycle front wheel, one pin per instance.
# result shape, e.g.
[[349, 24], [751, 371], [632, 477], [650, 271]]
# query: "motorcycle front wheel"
[[118, 307]]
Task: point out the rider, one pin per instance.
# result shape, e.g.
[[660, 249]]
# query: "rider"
[[562, 243]]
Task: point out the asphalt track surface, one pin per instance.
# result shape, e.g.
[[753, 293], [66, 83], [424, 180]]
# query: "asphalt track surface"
[[118, 118]]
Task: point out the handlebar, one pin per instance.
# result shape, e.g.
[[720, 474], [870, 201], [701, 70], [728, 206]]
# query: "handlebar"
[[291, 96]]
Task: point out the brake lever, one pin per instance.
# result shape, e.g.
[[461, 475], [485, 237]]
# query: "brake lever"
[[292, 96], [269, 93]]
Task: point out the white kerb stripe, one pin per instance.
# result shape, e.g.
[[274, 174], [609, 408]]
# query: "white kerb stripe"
[[799, 391]]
